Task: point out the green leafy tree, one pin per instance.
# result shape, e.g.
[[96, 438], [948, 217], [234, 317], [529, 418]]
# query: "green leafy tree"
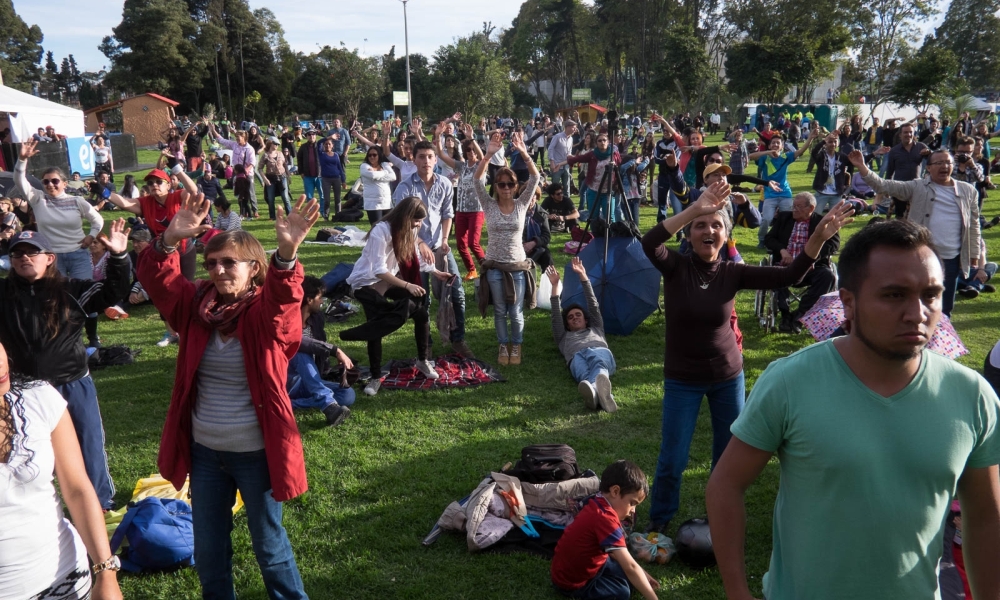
[[685, 74], [20, 49], [154, 49], [338, 80], [971, 31], [926, 76], [420, 79], [470, 76], [527, 49]]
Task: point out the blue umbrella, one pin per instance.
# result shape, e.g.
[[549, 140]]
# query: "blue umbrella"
[[626, 284]]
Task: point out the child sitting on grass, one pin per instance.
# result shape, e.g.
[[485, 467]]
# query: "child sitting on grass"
[[580, 567]]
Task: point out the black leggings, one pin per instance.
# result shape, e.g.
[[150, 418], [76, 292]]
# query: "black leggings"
[[374, 216], [386, 314]]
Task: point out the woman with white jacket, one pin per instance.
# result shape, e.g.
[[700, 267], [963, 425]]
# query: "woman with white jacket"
[[376, 175]]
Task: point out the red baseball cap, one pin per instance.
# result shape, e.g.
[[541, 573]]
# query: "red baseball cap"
[[157, 174]]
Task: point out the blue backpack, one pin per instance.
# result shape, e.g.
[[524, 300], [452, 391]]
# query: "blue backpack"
[[160, 535]]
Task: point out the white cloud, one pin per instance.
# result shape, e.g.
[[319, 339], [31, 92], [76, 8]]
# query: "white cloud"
[[75, 27]]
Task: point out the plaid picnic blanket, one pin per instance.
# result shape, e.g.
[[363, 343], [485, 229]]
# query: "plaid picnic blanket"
[[455, 371]]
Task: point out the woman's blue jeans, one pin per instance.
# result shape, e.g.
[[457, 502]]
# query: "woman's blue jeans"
[[215, 478], [588, 363], [270, 193], [681, 404], [76, 264], [502, 310]]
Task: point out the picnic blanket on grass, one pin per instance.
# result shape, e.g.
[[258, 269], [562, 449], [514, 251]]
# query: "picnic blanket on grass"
[[455, 371]]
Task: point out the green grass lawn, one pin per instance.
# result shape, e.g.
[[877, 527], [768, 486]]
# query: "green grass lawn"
[[379, 482]]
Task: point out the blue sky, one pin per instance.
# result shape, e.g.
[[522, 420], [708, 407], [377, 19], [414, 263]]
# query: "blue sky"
[[75, 27]]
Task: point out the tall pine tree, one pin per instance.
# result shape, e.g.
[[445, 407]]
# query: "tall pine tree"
[[971, 30]]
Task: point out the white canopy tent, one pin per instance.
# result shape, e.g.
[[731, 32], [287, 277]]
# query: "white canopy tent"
[[27, 113]]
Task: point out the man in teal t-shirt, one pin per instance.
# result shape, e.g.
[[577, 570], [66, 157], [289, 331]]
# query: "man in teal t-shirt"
[[875, 436]]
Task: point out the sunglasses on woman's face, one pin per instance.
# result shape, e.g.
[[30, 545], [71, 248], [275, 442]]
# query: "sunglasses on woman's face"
[[30, 253], [505, 185], [53, 181], [227, 263]]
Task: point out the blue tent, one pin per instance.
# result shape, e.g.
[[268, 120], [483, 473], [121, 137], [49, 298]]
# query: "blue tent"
[[627, 285]]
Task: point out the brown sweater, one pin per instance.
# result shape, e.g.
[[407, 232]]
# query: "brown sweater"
[[700, 343]]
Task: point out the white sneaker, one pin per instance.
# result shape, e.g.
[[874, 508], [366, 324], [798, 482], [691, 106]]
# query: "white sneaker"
[[604, 397], [589, 394], [167, 340], [373, 386], [425, 367]]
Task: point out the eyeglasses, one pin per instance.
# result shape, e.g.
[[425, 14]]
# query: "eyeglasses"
[[505, 185], [157, 182], [227, 263], [30, 253], [942, 162], [54, 181]]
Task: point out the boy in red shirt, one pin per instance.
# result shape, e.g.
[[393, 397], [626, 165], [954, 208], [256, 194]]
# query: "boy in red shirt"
[[580, 567]]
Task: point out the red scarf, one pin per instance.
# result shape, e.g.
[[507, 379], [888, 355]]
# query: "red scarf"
[[222, 316], [409, 271]]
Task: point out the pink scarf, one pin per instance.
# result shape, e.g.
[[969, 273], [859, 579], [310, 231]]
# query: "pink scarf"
[[222, 316]]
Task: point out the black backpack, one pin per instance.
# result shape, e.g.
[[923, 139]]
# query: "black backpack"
[[112, 356], [543, 463]]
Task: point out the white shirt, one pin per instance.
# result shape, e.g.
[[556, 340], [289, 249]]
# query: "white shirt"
[[946, 221], [38, 546], [831, 168], [376, 190], [377, 257], [406, 167], [499, 158], [560, 147]]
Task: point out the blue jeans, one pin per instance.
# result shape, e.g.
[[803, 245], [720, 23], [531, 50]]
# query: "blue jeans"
[[681, 404], [562, 176], [604, 204], [76, 264], [502, 310], [825, 202], [81, 402], [952, 271], [308, 390], [610, 583], [633, 208], [457, 298], [972, 282], [588, 363], [215, 478], [270, 194], [314, 189], [771, 207]]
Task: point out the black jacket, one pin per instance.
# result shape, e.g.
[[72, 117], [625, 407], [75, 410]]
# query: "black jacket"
[[778, 235], [843, 169], [22, 322]]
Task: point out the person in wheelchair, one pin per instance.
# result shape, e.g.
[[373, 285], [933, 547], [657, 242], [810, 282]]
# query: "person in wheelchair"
[[785, 240]]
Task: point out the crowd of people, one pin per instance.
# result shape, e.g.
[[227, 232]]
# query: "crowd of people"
[[855, 421]]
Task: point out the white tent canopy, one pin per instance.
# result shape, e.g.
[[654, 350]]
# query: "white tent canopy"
[[27, 113]]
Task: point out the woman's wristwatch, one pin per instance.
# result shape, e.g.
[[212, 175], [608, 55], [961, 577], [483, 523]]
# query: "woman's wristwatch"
[[112, 564]]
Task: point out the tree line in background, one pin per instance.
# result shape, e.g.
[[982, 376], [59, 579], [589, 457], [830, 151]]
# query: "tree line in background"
[[672, 54]]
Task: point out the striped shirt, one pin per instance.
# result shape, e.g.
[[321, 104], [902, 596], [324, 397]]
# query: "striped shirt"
[[224, 418]]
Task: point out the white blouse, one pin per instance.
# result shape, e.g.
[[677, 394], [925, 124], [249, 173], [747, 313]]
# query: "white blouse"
[[378, 257], [376, 190]]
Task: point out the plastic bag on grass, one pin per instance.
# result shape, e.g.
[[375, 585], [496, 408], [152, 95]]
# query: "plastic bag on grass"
[[651, 547]]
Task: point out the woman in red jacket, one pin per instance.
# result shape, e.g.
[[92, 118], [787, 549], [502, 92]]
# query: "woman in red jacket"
[[230, 423]]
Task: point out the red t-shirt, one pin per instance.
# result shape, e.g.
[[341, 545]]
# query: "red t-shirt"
[[583, 548], [157, 216]]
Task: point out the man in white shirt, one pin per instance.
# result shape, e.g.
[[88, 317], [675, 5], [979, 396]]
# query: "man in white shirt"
[[560, 148]]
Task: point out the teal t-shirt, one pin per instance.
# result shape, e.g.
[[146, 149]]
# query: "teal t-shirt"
[[776, 169], [866, 481]]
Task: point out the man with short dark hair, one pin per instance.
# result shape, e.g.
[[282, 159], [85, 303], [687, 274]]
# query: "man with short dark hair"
[[437, 194], [560, 149], [904, 162], [563, 214], [833, 173], [949, 208], [874, 435], [786, 239]]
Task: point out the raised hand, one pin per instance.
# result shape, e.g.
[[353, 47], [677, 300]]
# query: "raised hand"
[[712, 199], [387, 126], [577, 265], [189, 220], [670, 160], [517, 141], [292, 229], [495, 144], [27, 150], [456, 117], [467, 130], [857, 158], [553, 275], [835, 218], [117, 240]]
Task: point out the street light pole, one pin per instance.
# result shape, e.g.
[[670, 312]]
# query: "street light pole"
[[409, 93]]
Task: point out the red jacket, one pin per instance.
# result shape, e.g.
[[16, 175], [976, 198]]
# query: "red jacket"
[[591, 159], [270, 331]]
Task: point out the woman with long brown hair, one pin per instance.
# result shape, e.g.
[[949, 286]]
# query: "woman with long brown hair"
[[387, 282], [230, 424]]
